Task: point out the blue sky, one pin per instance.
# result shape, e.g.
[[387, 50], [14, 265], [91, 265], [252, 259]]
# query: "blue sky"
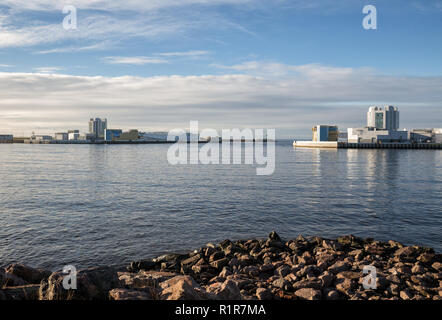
[[156, 65]]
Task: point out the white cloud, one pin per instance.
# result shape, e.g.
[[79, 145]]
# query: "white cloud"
[[48, 69], [305, 96], [134, 60], [193, 53]]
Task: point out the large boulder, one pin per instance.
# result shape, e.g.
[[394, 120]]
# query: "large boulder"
[[92, 284], [27, 273], [228, 290]]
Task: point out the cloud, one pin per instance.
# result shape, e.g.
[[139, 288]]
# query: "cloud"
[[70, 49], [134, 60], [48, 69], [107, 21], [194, 53], [306, 95]]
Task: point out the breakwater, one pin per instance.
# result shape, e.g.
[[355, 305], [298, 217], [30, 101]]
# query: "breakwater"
[[310, 268]]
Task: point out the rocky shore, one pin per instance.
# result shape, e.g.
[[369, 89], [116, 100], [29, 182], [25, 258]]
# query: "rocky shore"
[[301, 269]]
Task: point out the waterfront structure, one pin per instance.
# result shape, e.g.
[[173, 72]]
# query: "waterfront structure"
[[426, 135], [97, 127], [73, 135], [61, 136], [383, 118], [112, 134], [325, 133], [374, 135], [6, 138], [153, 136]]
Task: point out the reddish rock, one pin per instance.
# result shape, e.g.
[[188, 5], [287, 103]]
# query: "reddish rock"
[[308, 294], [182, 288]]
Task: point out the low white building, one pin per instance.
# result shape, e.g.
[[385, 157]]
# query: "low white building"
[[373, 135]]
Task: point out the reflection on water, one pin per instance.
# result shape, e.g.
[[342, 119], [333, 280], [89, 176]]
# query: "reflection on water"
[[88, 205]]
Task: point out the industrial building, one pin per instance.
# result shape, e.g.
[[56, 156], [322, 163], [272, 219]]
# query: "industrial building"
[[116, 135], [325, 133], [374, 135], [6, 138]]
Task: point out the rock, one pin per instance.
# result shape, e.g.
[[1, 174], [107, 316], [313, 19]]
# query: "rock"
[[350, 241], [408, 254], [283, 270], [143, 279], [28, 274], [327, 279], [426, 258], [437, 266], [191, 261], [143, 265], [331, 294], [332, 245], [313, 284], [349, 275], [182, 288], [219, 264], [252, 271], [274, 236], [26, 292], [10, 280], [128, 294], [394, 289], [406, 295], [418, 269], [282, 284], [172, 257], [264, 294], [92, 284], [346, 286], [339, 267], [308, 294], [216, 256], [306, 258], [228, 290]]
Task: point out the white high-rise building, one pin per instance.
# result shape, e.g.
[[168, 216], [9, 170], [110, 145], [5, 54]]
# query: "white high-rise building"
[[97, 127], [383, 118]]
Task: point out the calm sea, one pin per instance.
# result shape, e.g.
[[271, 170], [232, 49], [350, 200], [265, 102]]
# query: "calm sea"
[[92, 205]]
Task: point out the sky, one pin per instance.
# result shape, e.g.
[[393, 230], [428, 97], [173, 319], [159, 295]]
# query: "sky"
[[156, 65]]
